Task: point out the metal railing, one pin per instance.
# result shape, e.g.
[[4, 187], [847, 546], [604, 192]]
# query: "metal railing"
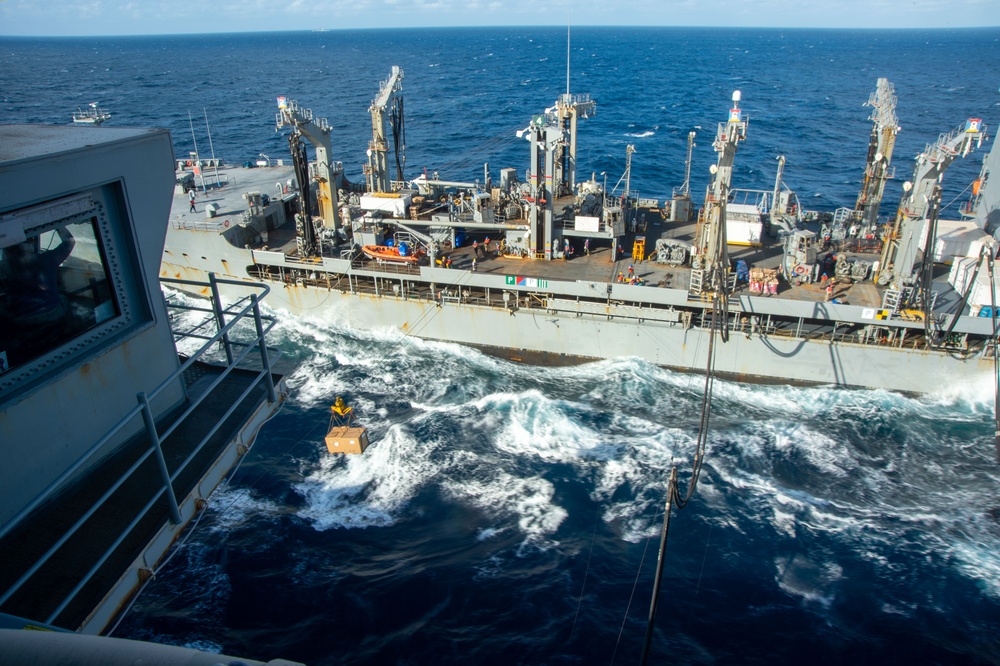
[[237, 314]]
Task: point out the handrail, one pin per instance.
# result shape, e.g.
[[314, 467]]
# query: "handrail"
[[258, 341]]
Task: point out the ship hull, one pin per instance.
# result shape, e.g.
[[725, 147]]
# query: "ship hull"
[[562, 330]]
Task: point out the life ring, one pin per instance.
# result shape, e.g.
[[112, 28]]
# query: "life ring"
[[800, 269], [226, 224]]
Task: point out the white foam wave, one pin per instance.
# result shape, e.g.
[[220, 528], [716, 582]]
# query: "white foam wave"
[[531, 424], [640, 135], [503, 496], [818, 449], [233, 507], [203, 645], [345, 492], [979, 394], [978, 560]]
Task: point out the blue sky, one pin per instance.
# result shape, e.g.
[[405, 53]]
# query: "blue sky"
[[130, 17]]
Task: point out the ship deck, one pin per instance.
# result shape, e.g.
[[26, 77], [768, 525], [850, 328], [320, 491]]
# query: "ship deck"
[[599, 266]]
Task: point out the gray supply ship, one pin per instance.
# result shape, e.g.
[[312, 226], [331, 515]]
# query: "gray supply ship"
[[556, 269]]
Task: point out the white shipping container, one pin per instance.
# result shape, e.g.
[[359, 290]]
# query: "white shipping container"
[[397, 205], [743, 225], [739, 232], [961, 273], [981, 293], [955, 238]]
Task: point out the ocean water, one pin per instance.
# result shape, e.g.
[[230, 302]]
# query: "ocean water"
[[508, 513]]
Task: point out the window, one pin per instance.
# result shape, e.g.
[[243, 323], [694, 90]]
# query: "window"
[[68, 282], [54, 287]]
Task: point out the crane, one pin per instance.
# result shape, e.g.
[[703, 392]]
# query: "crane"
[[377, 169], [710, 266], [985, 204], [885, 127], [685, 189], [899, 250], [317, 132]]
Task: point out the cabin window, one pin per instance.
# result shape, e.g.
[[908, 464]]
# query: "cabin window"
[[55, 286], [67, 282]]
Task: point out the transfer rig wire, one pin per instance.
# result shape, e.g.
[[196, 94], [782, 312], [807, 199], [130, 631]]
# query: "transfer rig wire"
[[718, 323]]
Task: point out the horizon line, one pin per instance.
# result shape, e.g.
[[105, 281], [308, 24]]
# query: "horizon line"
[[495, 27]]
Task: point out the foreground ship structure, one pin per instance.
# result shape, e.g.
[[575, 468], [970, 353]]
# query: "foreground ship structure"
[[556, 269], [112, 440]]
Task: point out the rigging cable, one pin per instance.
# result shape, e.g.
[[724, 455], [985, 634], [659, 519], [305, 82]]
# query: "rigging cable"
[[397, 119], [720, 305], [635, 584], [960, 194], [583, 587]]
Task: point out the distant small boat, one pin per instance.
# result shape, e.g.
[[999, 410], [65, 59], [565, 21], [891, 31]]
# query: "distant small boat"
[[94, 115], [402, 253]]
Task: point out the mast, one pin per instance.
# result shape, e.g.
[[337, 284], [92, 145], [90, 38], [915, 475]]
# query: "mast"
[[195, 141], [569, 108], [215, 164], [567, 60]]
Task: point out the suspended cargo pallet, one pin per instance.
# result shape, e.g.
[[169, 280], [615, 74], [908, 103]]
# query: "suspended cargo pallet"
[[344, 439]]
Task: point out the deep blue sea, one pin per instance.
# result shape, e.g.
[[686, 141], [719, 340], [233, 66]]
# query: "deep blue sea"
[[508, 514]]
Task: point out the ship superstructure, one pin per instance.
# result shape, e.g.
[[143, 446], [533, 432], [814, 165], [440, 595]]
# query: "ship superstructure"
[[113, 441]]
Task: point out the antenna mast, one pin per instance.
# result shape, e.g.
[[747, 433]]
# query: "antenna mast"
[[196, 155], [567, 60]]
